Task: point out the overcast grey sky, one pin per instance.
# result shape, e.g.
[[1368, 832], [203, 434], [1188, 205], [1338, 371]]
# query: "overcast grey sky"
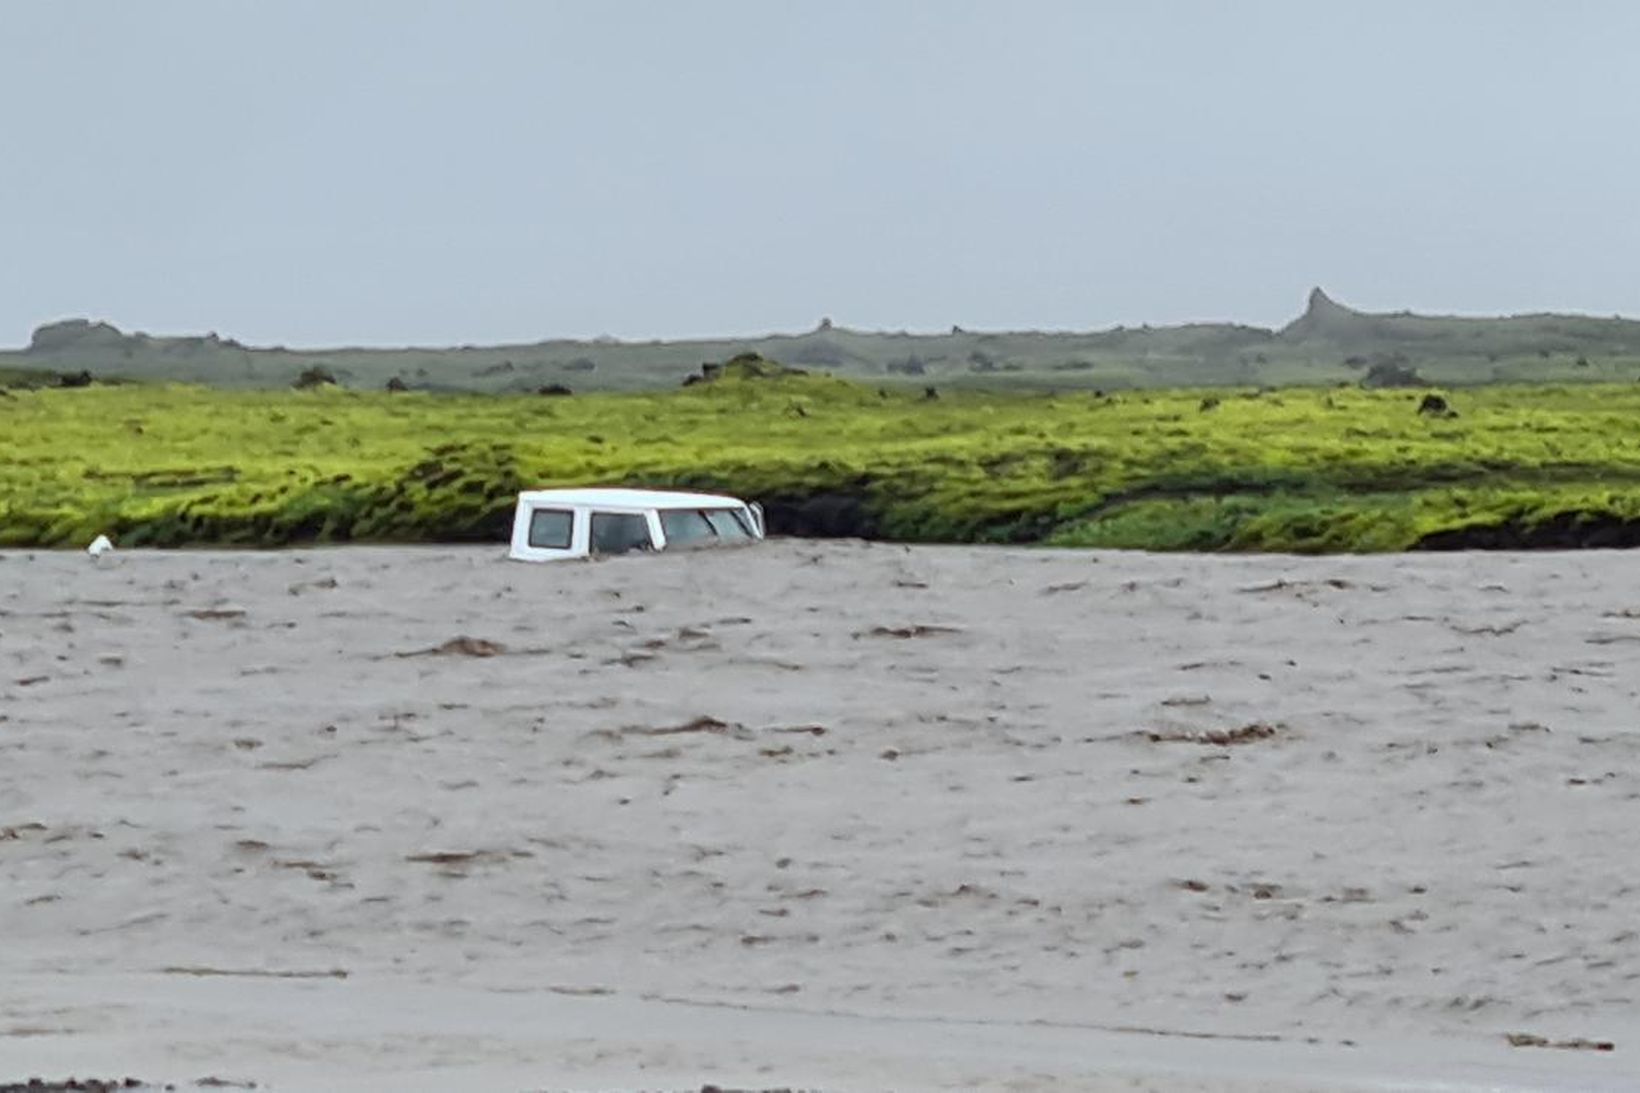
[[315, 172]]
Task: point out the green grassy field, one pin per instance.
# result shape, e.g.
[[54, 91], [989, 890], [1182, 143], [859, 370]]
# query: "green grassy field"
[[1339, 469]]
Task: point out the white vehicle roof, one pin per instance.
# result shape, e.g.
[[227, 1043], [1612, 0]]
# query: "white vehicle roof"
[[630, 498]]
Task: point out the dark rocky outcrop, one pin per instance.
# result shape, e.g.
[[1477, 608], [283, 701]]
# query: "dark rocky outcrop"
[[317, 376], [746, 366], [75, 334], [822, 516], [1564, 531], [1325, 318]]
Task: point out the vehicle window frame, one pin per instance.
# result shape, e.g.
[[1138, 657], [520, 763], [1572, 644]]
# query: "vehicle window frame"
[[569, 528], [643, 518], [709, 538]]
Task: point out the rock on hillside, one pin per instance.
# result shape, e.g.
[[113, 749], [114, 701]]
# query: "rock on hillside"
[[85, 336], [1325, 318], [75, 334]]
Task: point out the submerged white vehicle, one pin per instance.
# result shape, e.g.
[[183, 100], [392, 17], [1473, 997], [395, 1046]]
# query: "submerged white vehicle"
[[550, 525]]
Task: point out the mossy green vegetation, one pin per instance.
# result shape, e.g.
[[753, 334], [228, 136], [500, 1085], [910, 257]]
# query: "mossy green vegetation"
[[1337, 469]]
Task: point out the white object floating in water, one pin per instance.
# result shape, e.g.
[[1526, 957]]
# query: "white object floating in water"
[[99, 546]]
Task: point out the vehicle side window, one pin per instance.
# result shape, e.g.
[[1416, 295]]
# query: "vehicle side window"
[[728, 523], [551, 528], [685, 526], [620, 532]]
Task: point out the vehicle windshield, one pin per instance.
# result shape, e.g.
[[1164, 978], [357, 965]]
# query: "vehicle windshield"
[[729, 524], [704, 527]]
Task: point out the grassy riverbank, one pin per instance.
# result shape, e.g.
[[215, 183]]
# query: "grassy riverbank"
[[1334, 469]]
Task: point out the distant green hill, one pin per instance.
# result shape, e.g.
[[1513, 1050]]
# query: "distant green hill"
[[1328, 344]]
